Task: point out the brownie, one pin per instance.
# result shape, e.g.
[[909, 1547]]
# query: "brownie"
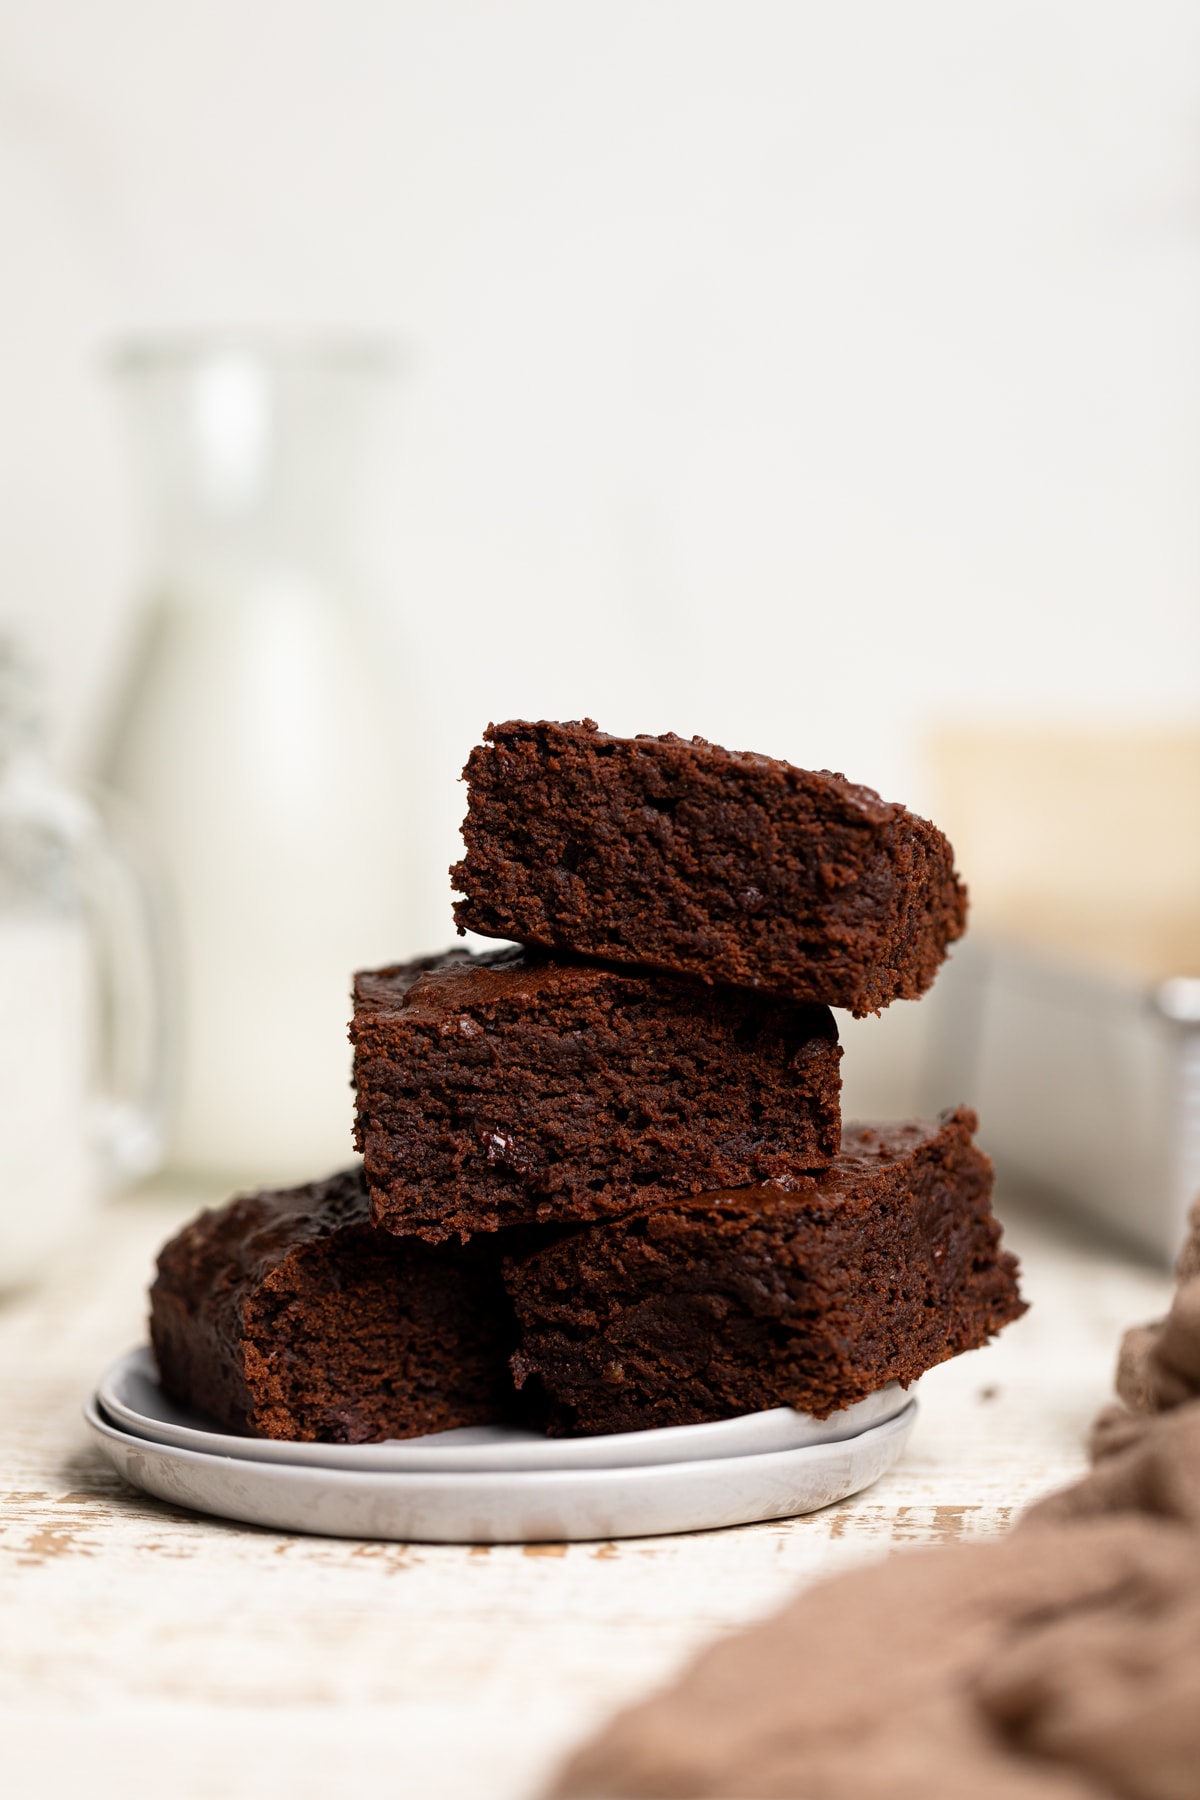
[[678, 855], [810, 1294], [510, 1088], [284, 1315]]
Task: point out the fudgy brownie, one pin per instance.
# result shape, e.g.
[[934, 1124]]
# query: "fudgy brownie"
[[510, 1089], [809, 1295], [284, 1315], [679, 855]]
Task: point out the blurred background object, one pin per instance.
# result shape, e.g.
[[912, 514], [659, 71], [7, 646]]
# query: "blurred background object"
[[259, 737], [1083, 842], [85, 1041], [1087, 1080], [1071, 1016], [812, 378]]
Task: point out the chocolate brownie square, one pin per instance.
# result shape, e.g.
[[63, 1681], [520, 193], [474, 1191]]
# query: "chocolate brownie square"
[[511, 1089], [678, 855], [284, 1315], [809, 1294]]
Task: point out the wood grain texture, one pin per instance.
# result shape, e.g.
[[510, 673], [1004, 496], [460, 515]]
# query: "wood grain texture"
[[145, 1650]]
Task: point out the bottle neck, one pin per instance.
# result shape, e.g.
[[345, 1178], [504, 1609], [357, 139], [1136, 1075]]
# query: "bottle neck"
[[251, 464]]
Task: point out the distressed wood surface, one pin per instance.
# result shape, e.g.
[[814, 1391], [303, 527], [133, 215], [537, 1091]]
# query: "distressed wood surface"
[[148, 1651]]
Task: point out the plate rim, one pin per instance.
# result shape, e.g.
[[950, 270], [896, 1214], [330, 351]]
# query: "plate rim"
[[639, 1447], [509, 1480], [506, 1506]]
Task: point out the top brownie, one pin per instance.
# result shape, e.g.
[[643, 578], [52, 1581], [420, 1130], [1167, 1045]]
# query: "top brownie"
[[678, 855]]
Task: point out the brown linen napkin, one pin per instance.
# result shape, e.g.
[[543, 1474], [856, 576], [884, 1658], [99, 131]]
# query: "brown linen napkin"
[[1146, 1466], [995, 1671], [1060, 1663], [1159, 1364]]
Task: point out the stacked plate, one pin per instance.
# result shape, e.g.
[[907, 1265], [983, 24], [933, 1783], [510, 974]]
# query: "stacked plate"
[[495, 1485]]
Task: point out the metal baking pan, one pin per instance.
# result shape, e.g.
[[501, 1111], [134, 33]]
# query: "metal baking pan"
[[1087, 1083]]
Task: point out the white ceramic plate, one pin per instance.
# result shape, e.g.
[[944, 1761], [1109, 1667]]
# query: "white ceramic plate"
[[508, 1506], [132, 1398]]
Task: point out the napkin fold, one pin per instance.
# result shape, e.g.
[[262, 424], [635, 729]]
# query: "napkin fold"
[[1159, 1364]]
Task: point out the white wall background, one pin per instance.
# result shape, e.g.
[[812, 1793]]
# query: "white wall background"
[[786, 372]]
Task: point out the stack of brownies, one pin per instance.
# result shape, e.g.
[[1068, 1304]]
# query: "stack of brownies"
[[605, 1184]]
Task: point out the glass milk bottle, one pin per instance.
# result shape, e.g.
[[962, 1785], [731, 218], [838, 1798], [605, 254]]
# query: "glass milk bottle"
[[85, 1045], [260, 737]]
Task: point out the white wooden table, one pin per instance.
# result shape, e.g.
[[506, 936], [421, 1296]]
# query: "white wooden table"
[[150, 1652]]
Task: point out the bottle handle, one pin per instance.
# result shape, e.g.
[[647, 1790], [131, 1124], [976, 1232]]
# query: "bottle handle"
[[137, 1034]]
